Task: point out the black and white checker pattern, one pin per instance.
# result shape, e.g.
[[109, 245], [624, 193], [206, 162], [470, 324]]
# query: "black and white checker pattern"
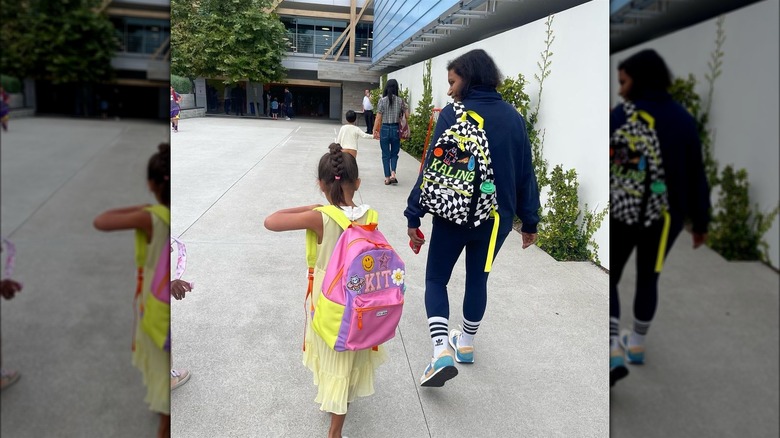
[[629, 195], [451, 198]]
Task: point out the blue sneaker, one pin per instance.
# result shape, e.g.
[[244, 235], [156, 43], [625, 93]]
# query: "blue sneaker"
[[439, 370], [636, 354], [617, 366], [462, 354]]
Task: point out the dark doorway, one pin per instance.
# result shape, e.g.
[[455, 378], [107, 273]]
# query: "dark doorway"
[[308, 101], [99, 100]]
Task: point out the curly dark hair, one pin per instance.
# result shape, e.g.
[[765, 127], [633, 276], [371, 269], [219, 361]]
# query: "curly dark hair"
[[648, 72], [475, 68]]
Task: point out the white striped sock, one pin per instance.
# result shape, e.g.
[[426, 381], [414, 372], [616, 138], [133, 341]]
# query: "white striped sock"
[[439, 329]]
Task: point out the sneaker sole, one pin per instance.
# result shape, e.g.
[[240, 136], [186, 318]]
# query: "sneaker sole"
[[457, 358], [617, 373], [439, 377]]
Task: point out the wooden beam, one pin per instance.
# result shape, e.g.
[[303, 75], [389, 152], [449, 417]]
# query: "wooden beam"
[[163, 15], [159, 50], [322, 14], [352, 6], [351, 30]]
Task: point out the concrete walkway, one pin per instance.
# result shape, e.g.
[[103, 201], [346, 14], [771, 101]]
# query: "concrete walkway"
[[68, 332], [711, 361], [542, 361]]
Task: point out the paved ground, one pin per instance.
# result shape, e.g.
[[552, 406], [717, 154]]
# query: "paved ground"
[[542, 353], [69, 330], [712, 352]]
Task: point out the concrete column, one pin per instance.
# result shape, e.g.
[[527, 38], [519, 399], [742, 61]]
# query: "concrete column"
[[200, 92], [29, 93]]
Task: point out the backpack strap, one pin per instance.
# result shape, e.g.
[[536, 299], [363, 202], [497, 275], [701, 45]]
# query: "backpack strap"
[[493, 237], [164, 213]]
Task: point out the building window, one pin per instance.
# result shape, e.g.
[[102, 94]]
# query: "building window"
[[315, 37], [140, 35]]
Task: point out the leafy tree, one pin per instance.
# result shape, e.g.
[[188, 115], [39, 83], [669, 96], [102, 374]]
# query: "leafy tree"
[[234, 39], [60, 42]]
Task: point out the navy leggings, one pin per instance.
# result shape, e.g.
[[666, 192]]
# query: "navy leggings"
[[622, 241], [446, 243]]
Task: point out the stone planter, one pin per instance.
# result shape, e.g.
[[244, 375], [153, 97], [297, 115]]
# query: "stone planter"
[[16, 100]]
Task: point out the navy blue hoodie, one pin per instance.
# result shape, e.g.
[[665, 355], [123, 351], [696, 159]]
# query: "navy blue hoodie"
[[689, 193], [510, 152]]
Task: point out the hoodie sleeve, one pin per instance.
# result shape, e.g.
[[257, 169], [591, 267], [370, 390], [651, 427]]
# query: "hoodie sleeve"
[[698, 187], [528, 204], [414, 212]]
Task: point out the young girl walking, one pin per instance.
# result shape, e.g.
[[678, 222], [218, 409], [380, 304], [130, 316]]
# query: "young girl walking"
[[151, 341], [340, 376]]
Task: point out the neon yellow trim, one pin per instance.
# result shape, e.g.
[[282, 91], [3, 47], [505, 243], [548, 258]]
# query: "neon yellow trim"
[[475, 116], [492, 245], [164, 214], [647, 117], [311, 248], [659, 263], [336, 214], [156, 320], [327, 320], [372, 217]]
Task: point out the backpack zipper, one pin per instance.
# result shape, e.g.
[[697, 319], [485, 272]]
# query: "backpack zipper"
[[462, 192], [367, 309]]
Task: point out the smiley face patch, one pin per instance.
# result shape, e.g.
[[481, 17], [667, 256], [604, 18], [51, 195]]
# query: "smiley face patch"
[[368, 263]]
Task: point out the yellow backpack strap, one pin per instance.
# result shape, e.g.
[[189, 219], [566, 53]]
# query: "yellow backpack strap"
[[336, 214], [164, 214], [493, 238], [372, 216]]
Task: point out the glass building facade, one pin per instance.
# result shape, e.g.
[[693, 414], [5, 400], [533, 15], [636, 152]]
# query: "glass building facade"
[[310, 36], [140, 35]]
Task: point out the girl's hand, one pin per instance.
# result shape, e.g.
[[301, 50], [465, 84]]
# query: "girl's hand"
[[179, 288], [9, 288]]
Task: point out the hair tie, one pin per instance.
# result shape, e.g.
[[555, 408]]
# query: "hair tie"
[[337, 177]]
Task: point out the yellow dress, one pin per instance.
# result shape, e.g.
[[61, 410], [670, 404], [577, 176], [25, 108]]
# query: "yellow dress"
[[154, 362], [340, 376]]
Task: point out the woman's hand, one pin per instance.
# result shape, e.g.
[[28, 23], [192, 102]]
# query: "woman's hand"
[[528, 239], [417, 240]]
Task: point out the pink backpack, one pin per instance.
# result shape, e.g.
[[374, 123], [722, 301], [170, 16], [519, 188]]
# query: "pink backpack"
[[363, 290]]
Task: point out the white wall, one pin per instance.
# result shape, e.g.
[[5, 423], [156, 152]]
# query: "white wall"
[[575, 101], [744, 113]]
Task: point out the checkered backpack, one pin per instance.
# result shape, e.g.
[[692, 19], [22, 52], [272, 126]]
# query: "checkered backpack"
[[637, 186], [457, 182]]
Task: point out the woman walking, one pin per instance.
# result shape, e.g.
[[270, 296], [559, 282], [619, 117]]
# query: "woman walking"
[[388, 112]]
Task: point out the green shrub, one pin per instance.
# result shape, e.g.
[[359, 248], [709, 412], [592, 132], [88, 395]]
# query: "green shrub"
[[683, 91], [560, 234], [11, 84], [420, 118], [513, 92], [737, 230], [181, 84]]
